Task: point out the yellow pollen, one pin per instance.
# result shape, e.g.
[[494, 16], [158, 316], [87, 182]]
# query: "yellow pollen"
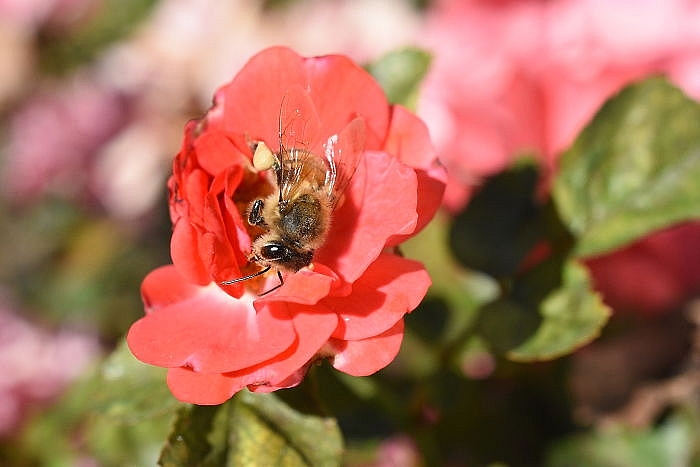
[[263, 158]]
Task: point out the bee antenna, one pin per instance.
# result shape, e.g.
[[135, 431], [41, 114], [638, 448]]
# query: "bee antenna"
[[250, 276]]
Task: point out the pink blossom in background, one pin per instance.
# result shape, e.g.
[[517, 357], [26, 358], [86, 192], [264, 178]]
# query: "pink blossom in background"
[[37, 366], [595, 47], [519, 77], [397, 451], [481, 99], [78, 140], [35, 13], [514, 77], [54, 136], [361, 29]]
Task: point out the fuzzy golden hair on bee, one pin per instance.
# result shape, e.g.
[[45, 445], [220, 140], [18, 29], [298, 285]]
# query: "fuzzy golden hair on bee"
[[296, 217]]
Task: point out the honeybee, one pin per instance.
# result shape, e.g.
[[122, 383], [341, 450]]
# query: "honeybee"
[[296, 218]]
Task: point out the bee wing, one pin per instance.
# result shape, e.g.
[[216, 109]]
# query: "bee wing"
[[299, 162], [299, 129], [342, 152]]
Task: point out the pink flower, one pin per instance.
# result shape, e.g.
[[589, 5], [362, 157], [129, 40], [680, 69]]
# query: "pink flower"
[[54, 137], [524, 77], [37, 366], [35, 13], [481, 98], [348, 303]]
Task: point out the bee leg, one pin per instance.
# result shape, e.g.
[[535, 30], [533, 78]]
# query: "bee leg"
[[255, 216], [279, 275], [250, 276]]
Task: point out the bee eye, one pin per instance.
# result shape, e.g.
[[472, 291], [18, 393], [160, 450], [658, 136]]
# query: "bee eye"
[[273, 251]]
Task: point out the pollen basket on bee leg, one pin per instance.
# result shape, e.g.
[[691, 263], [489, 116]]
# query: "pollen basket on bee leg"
[[263, 158]]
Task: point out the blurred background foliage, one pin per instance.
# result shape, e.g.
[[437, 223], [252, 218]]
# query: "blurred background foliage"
[[514, 358]]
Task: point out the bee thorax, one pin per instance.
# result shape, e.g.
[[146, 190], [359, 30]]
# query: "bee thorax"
[[304, 219]]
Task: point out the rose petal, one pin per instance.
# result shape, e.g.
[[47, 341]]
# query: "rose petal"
[[285, 370], [373, 211], [251, 102], [210, 332], [367, 356], [217, 152], [305, 287], [184, 251], [342, 91], [164, 286], [339, 89], [219, 245], [431, 189], [313, 326], [201, 388], [391, 287], [409, 140], [195, 189], [289, 382]]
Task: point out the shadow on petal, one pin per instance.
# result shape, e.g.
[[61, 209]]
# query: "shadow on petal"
[[367, 356], [201, 388]]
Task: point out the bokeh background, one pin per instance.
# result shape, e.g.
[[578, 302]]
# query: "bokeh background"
[[94, 95]]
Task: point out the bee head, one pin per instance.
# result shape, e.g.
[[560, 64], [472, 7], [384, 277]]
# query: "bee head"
[[280, 254]]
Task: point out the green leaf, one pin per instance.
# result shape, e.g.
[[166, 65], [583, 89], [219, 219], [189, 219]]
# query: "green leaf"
[[265, 431], [506, 323], [501, 223], [121, 412], [251, 430], [400, 74], [572, 316], [464, 291], [128, 391], [198, 438], [673, 442], [634, 169]]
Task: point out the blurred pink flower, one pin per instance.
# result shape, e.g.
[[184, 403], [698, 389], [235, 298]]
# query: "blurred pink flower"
[[35, 13], [37, 366], [165, 56], [53, 138], [516, 77], [398, 451], [481, 99]]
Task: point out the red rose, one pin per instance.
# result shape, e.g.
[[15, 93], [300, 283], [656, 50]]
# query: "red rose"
[[348, 304]]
